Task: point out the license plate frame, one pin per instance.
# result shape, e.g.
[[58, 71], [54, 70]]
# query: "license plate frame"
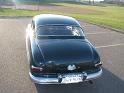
[[72, 78]]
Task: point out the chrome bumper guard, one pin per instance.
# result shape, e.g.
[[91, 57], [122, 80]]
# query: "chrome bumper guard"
[[42, 80]]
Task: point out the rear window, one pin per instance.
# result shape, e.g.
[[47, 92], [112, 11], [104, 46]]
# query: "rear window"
[[60, 31]]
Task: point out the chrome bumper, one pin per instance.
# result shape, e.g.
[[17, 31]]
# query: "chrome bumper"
[[42, 80]]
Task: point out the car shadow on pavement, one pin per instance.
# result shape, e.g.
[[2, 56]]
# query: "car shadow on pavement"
[[108, 83]]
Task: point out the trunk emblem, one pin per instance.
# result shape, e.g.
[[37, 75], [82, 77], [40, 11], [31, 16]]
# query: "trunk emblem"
[[71, 67]]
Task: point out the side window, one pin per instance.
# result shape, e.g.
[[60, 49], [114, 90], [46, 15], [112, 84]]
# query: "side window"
[[33, 25]]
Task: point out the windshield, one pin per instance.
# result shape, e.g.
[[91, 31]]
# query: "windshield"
[[60, 30]]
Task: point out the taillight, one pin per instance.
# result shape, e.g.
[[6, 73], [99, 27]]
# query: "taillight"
[[37, 69], [98, 64]]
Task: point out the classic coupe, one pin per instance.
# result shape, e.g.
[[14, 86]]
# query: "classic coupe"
[[58, 51]]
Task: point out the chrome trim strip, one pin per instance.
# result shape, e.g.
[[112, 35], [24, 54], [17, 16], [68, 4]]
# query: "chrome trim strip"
[[42, 80]]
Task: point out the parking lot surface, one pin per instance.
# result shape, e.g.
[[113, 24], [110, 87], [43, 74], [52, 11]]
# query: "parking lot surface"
[[14, 67]]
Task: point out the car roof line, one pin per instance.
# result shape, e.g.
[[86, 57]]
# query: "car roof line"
[[58, 25]]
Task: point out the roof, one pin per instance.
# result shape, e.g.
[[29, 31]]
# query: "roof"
[[51, 19]]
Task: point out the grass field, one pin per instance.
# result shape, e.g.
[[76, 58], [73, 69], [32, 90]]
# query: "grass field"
[[111, 16]]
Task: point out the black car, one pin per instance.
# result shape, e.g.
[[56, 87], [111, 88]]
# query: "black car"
[[58, 51]]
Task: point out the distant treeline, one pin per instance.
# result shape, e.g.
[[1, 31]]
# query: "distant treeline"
[[39, 0], [5, 0], [72, 1]]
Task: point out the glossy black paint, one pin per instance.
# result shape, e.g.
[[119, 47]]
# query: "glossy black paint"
[[50, 19], [67, 51], [54, 54]]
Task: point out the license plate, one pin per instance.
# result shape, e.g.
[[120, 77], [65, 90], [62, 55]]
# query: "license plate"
[[72, 79]]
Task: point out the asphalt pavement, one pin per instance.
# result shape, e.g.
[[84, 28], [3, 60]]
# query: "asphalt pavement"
[[14, 67]]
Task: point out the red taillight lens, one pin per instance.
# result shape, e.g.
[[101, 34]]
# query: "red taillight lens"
[[98, 64], [33, 68]]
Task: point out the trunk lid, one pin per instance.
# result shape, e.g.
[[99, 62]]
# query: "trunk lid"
[[59, 54]]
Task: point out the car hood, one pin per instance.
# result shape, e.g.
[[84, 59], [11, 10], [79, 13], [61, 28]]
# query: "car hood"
[[65, 51]]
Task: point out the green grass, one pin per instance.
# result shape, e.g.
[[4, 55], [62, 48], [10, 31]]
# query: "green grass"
[[111, 16], [13, 12]]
